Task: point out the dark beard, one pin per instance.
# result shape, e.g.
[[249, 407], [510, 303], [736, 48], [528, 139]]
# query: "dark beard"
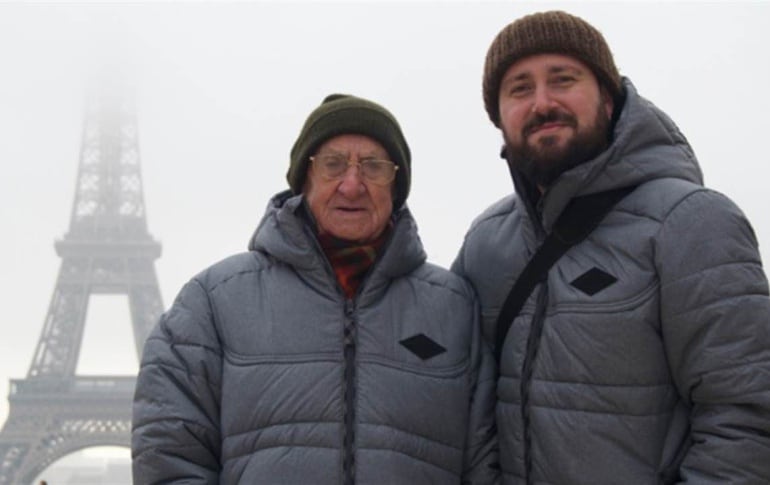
[[542, 164]]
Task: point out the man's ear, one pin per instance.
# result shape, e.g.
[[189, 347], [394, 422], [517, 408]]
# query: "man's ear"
[[607, 102]]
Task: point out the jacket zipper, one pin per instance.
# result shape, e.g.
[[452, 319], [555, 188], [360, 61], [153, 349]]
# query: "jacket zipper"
[[349, 395], [527, 370], [349, 355]]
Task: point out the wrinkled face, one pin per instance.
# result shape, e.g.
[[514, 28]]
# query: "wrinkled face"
[[350, 207], [553, 114]]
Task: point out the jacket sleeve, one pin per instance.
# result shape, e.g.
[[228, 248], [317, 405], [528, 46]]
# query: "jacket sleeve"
[[175, 430], [715, 323], [482, 464]]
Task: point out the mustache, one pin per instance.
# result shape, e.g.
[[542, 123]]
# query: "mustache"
[[553, 116]]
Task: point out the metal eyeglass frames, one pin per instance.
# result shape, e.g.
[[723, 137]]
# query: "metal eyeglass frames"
[[335, 166]]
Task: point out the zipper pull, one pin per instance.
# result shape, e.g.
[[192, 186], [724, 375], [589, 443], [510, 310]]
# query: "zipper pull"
[[349, 332]]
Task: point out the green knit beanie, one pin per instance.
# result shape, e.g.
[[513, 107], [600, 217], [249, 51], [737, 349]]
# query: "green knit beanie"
[[342, 114], [553, 32]]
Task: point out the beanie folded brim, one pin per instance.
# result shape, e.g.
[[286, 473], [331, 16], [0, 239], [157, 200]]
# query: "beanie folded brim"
[[341, 115]]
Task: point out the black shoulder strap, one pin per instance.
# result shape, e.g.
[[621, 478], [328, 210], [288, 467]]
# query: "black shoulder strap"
[[579, 218]]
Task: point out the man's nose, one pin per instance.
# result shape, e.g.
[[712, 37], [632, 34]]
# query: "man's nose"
[[542, 101], [352, 184]]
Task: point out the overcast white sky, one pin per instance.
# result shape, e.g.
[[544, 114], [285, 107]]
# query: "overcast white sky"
[[223, 89]]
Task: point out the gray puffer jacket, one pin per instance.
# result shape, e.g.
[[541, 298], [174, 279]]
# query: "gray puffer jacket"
[[653, 365], [262, 372]]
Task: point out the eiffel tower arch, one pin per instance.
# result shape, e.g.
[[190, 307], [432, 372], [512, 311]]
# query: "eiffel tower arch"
[[107, 250]]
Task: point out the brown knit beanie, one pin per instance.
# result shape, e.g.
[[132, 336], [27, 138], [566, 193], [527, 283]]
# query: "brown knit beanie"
[[341, 114], [553, 32]]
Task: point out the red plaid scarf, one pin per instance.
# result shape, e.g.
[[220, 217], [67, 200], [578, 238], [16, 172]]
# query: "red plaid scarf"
[[351, 260]]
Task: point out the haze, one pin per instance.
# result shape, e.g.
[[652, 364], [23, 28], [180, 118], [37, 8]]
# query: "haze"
[[223, 89]]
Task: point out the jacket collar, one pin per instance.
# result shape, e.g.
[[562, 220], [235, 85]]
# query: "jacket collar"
[[287, 234]]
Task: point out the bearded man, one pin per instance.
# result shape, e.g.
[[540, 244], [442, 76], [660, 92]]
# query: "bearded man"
[[642, 354]]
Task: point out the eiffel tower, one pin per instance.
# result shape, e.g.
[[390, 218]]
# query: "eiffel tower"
[[107, 250]]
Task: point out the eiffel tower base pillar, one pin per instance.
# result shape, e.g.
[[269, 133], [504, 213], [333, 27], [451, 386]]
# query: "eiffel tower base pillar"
[[50, 419]]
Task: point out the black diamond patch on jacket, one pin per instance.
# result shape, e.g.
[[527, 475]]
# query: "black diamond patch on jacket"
[[593, 281], [422, 346]]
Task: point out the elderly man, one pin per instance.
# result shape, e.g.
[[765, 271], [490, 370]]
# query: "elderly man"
[[643, 354], [331, 352]]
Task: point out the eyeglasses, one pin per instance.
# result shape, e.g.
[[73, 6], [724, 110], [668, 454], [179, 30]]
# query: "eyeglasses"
[[334, 166]]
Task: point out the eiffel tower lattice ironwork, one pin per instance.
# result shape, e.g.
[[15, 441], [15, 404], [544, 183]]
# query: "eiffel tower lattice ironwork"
[[107, 250]]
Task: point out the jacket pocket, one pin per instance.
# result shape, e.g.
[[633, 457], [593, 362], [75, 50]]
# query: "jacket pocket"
[[448, 372], [237, 359]]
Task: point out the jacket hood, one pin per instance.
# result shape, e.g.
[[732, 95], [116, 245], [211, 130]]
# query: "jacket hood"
[[286, 234], [646, 145]]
